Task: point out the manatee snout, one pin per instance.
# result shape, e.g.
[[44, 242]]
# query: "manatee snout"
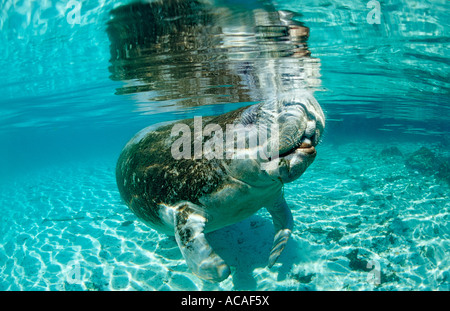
[[301, 125]]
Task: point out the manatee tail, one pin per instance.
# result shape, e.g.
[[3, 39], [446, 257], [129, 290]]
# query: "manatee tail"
[[201, 259]]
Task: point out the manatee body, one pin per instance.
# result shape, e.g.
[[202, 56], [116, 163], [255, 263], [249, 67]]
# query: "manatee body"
[[190, 196]]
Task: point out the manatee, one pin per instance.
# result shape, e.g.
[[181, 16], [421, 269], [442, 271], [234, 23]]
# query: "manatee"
[[194, 176], [199, 192]]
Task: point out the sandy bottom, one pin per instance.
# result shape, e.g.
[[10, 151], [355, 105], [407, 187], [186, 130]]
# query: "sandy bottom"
[[362, 222]]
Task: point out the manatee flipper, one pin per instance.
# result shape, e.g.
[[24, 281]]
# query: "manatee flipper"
[[199, 255], [283, 223]]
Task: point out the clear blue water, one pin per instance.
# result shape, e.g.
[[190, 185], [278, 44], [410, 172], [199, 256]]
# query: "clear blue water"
[[64, 119]]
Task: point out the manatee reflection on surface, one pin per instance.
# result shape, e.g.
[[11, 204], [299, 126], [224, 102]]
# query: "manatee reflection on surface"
[[188, 53]]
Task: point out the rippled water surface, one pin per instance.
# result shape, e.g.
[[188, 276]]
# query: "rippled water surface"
[[80, 78]]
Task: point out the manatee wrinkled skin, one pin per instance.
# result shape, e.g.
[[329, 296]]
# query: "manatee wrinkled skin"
[[180, 54], [190, 197]]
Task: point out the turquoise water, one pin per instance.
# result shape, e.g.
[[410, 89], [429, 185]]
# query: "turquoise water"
[[371, 213]]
